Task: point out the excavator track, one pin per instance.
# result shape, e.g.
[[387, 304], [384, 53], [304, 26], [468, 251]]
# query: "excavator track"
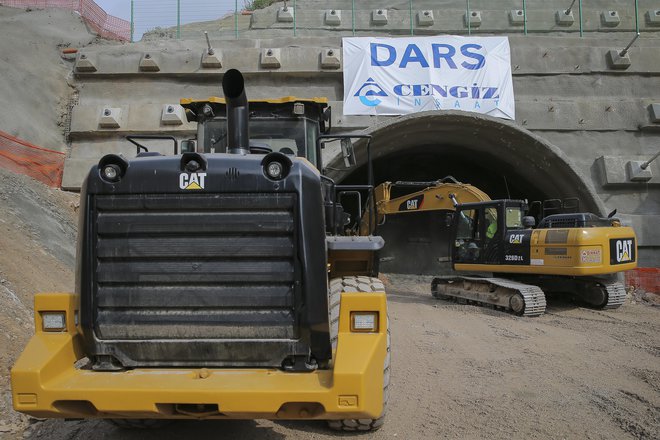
[[519, 298], [616, 295]]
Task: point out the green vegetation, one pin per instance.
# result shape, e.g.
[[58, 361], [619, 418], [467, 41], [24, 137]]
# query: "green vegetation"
[[252, 5]]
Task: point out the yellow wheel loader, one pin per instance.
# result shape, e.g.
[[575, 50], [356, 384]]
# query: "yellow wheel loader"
[[509, 262], [211, 283]]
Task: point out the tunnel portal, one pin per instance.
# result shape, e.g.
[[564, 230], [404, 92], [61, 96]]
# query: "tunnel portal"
[[495, 155]]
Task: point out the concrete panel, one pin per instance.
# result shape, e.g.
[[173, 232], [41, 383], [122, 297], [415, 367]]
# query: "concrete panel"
[[75, 172], [614, 171], [496, 18], [136, 118], [548, 114], [530, 55]]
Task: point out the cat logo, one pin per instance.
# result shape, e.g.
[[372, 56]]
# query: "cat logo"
[[622, 250], [412, 204], [192, 180], [516, 238]]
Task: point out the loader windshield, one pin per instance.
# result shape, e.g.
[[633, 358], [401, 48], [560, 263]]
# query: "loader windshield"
[[291, 136]]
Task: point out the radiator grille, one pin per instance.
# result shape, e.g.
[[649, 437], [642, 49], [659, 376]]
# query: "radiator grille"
[[209, 266]]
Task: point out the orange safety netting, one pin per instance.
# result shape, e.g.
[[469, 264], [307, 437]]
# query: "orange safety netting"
[[39, 163], [646, 278], [107, 26]]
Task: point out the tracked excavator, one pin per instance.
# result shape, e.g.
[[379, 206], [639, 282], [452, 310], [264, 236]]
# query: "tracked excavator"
[[509, 261]]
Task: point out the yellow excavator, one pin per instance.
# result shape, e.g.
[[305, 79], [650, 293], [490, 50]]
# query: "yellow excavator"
[[510, 262]]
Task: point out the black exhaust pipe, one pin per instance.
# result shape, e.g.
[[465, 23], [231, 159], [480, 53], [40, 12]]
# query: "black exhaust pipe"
[[238, 136]]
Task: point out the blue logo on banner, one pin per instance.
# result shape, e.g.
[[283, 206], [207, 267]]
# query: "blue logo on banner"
[[368, 90]]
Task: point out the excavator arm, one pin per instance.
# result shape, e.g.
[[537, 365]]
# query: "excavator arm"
[[442, 194]]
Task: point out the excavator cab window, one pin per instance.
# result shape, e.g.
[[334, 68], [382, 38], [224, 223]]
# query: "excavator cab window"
[[468, 241], [479, 231], [467, 225], [514, 217]]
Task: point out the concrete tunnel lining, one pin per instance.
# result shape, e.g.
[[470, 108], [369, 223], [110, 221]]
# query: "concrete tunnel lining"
[[492, 142]]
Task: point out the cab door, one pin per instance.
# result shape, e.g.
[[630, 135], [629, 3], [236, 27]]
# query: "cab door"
[[478, 235]]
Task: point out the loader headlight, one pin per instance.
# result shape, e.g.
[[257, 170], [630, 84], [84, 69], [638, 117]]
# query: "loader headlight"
[[274, 170], [111, 172], [276, 166], [112, 167], [366, 322], [53, 321]]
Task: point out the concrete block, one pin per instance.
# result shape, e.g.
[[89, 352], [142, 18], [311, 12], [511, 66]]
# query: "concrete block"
[[474, 17], [517, 17], [84, 64], [425, 18], [172, 114], [212, 60], [616, 61], [379, 17], [110, 117], [331, 58], [148, 64], [620, 170], [333, 17], [654, 109], [285, 14], [75, 171], [635, 173], [271, 58], [653, 17], [564, 19], [610, 18]]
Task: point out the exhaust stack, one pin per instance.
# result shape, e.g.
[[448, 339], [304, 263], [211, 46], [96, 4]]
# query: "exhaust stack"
[[238, 136]]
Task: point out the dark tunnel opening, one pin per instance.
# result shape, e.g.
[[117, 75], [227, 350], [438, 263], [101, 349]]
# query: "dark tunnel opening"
[[426, 163], [498, 157]]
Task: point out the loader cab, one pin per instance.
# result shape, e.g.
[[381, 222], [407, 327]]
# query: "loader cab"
[[287, 125], [492, 232]]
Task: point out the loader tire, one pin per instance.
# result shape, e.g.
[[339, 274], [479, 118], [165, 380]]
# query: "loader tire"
[[139, 423], [357, 284]]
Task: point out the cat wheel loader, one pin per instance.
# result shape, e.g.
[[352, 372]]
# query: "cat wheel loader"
[[509, 262], [211, 284]]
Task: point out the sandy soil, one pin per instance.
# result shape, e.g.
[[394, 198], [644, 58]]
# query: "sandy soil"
[[34, 86], [465, 372], [37, 236]]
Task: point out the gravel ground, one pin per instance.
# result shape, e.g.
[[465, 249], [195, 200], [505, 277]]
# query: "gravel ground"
[[466, 372]]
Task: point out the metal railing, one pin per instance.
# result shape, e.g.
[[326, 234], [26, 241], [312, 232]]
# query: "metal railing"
[[226, 19]]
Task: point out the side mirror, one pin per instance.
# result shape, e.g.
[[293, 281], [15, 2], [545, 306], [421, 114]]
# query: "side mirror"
[[188, 146], [528, 221], [348, 153], [326, 120]]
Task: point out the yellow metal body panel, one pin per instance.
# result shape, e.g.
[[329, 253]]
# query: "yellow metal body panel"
[[568, 252], [282, 100], [45, 382]]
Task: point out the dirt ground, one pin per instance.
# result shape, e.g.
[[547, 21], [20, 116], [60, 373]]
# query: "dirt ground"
[[459, 371]]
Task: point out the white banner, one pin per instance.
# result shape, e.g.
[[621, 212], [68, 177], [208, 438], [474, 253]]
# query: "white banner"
[[396, 76]]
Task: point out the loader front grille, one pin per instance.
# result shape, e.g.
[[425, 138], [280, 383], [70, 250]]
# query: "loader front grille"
[[195, 267]]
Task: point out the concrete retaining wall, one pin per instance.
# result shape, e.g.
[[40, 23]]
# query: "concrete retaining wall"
[[567, 92]]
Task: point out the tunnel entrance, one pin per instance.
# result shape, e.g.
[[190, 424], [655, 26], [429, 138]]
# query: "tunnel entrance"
[[495, 155]]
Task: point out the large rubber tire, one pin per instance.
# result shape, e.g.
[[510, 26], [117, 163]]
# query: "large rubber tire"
[[357, 284], [139, 423]]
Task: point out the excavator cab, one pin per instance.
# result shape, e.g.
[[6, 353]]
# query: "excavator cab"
[[485, 231]]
